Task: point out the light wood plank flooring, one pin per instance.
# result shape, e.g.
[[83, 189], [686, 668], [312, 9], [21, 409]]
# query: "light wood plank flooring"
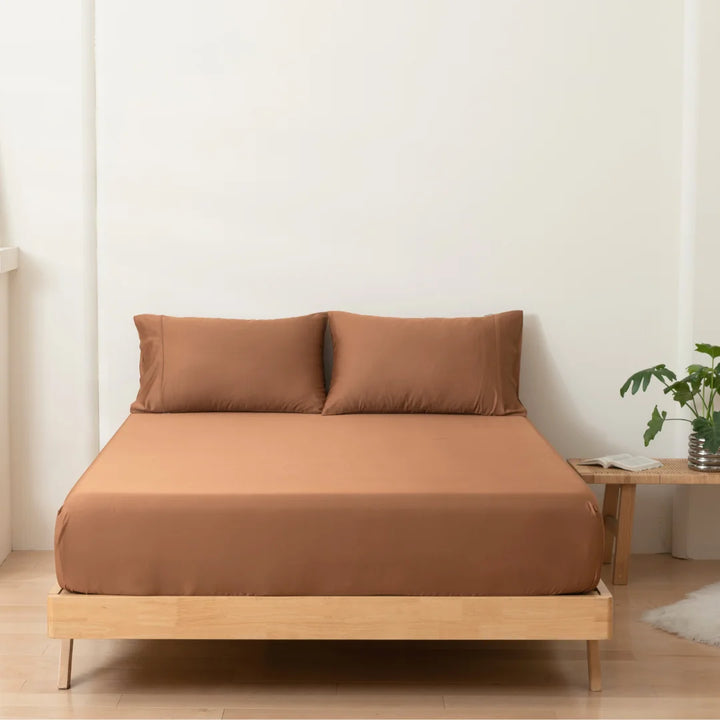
[[646, 673]]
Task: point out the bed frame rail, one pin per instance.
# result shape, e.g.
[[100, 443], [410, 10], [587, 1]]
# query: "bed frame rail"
[[585, 617]]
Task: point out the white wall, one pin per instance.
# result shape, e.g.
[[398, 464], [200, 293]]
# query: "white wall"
[[398, 157], [8, 262], [43, 188], [696, 531], [263, 159], [707, 268], [5, 527]]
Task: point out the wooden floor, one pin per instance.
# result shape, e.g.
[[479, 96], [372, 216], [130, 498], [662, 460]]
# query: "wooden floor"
[[646, 673]]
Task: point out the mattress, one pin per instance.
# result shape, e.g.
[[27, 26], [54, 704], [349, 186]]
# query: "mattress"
[[292, 504]]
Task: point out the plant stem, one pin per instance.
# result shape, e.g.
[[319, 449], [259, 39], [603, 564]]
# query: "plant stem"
[[694, 408], [711, 399]]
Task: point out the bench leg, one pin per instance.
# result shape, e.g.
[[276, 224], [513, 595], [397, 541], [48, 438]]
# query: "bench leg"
[[624, 535], [65, 669], [593, 659], [610, 512]]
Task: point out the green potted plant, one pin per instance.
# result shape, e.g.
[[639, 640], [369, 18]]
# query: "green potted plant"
[[697, 392]]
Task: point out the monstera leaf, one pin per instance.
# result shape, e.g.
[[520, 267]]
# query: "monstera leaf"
[[706, 349], [644, 377], [709, 431], [697, 393], [654, 426], [699, 375], [682, 391]]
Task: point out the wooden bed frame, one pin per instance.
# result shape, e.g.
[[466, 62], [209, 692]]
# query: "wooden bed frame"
[[547, 617]]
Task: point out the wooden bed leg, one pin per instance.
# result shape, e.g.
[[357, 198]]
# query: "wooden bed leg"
[[593, 659], [65, 669]]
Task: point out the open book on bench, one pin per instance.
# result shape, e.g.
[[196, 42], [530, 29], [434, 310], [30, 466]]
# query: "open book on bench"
[[624, 461]]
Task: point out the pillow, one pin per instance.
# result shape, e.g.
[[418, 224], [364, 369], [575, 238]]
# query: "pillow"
[[217, 365], [425, 365]]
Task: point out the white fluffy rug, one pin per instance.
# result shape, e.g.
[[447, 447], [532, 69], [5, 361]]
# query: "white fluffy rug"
[[697, 617]]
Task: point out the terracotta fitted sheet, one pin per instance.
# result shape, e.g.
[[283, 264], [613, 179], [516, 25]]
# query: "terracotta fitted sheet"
[[288, 504]]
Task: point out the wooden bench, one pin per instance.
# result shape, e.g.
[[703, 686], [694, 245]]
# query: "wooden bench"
[[619, 503]]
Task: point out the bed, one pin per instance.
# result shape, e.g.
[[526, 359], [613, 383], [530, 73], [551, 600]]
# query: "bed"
[[287, 525]]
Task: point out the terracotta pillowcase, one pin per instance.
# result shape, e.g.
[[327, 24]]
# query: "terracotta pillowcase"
[[218, 365], [425, 365]]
